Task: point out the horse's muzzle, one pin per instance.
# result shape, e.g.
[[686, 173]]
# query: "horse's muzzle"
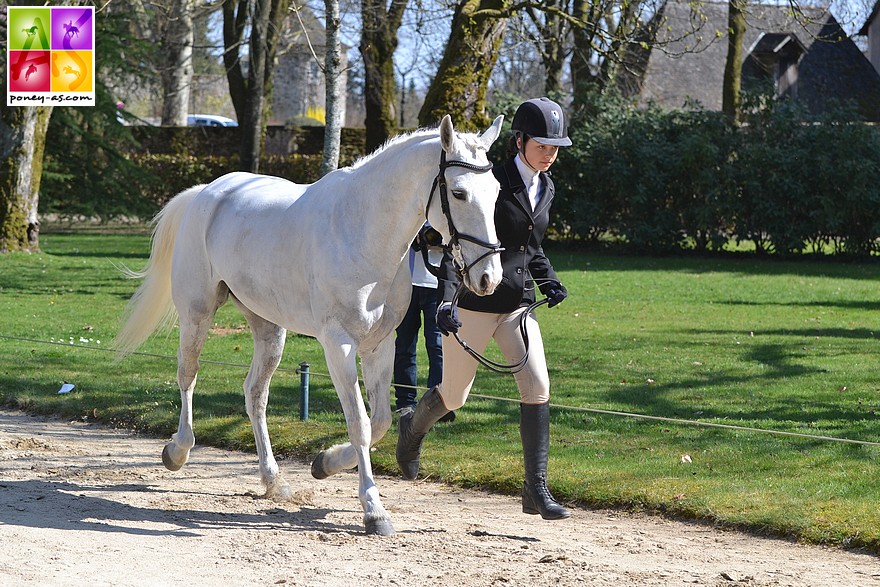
[[487, 284], [483, 283]]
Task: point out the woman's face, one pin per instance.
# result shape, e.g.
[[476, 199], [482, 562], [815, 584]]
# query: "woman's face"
[[540, 157]]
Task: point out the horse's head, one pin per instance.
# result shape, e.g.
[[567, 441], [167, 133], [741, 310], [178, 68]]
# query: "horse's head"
[[464, 209]]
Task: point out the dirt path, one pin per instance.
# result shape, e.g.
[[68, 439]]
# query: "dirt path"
[[82, 505]]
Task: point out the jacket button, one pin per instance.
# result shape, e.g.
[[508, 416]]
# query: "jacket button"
[[519, 270], [531, 227], [522, 249]]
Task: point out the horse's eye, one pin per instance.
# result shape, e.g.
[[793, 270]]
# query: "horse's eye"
[[459, 194]]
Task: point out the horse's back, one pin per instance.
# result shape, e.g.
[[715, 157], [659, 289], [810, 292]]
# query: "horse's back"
[[237, 205], [254, 188]]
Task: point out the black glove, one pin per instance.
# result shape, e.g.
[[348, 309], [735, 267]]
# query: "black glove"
[[555, 292], [430, 236], [447, 319]]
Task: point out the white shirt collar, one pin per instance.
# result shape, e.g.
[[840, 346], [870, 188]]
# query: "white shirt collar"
[[531, 179], [529, 175]]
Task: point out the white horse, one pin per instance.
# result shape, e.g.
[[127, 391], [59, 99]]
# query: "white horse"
[[325, 260]]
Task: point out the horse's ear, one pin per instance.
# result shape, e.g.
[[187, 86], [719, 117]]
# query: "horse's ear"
[[490, 134], [447, 133]]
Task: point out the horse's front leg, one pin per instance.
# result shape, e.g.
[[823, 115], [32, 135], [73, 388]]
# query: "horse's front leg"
[[377, 369], [268, 348], [342, 363]]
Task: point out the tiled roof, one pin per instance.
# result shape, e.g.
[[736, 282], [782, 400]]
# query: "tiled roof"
[[692, 68]]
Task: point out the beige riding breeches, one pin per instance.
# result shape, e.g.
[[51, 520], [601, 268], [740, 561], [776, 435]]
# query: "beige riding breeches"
[[477, 329]]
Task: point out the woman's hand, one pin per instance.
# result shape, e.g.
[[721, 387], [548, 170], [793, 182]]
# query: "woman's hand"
[[447, 319], [555, 292]]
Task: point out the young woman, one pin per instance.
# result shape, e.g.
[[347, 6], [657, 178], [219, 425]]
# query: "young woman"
[[521, 218]]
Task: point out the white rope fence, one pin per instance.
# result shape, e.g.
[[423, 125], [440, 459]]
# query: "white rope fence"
[[304, 373]]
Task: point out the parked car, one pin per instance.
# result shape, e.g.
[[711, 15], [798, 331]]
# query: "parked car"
[[209, 120]]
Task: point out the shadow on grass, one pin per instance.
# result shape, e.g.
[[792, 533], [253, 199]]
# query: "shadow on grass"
[[102, 254], [565, 259], [844, 333], [792, 414], [843, 304]]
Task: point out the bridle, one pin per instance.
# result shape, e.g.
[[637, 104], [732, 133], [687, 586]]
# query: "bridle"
[[440, 186], [455, 236]]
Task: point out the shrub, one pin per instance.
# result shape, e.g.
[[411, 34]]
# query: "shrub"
[[665, 180]]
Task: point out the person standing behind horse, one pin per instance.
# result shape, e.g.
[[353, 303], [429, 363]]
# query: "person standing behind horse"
[[521, 219], [425, 249]]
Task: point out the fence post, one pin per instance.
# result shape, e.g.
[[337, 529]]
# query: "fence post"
[[303, 391]]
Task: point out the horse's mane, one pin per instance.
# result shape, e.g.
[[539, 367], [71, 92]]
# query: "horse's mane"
[[469, 139], [393, 142]]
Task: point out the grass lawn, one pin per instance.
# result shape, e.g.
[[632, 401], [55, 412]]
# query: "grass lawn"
[[785, 346]]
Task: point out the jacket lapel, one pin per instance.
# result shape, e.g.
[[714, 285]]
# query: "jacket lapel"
[[517, 186], [547, 198]]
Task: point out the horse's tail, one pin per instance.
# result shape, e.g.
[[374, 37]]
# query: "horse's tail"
[[151, 306]]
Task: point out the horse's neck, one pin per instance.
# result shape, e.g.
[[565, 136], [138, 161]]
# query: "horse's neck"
[[393, 210]]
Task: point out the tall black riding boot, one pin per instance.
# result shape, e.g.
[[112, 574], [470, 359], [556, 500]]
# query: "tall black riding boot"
[[534, 429], [412, 428]]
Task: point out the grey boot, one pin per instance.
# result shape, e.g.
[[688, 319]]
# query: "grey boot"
[[534, 429], [412, 428]]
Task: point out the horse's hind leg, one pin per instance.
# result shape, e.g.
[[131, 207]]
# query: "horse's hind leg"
[[377, 367], [268, 348], [194, 326]]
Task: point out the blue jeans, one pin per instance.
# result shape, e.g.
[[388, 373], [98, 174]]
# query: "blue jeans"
[[424, 301]]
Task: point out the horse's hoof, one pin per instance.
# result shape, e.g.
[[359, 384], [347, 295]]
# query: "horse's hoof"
[[318, 470], [278, 490], [380, 527], [170, 464]]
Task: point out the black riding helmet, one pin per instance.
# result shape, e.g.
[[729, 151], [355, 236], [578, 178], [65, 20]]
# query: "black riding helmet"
[[543, 120]]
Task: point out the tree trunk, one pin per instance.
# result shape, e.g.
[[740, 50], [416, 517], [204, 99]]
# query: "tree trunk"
[[602, 37], [333, 97], [250, 94], [459, 88], [252, 129], [378, 44], [553, 58], [22, 141], [584, 82], [177, 72], [551, 41], [234, 21], [736, 24]]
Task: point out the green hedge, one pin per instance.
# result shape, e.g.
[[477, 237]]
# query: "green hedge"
[[668, 180], [179, 172], [158, 177]]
